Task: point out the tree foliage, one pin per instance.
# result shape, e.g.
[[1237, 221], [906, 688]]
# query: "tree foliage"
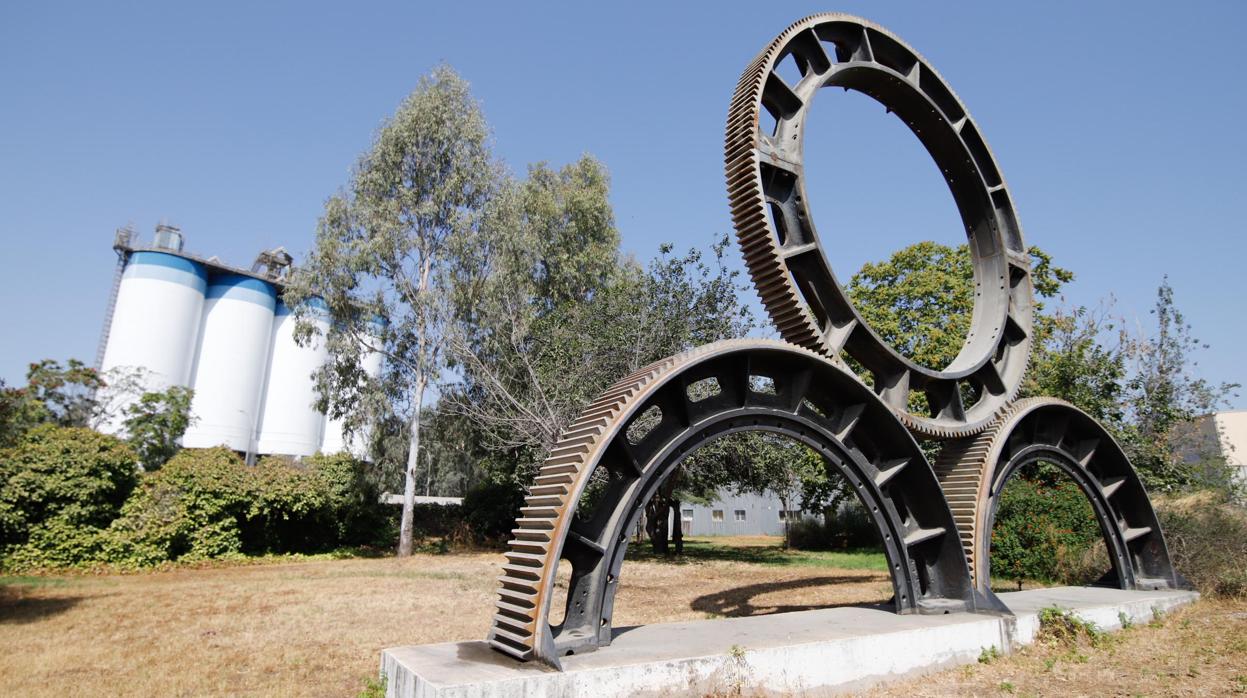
[[549, 313], [54, 394], [1163, 397], [921, 298], [385, 249], [155, 423]]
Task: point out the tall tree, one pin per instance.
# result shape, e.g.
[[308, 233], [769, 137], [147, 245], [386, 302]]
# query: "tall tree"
[[544, 361], [385, 250], [65, 395], [1163, 397], [547, 242]]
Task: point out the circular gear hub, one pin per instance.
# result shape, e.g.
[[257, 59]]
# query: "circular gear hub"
[[787, 259]]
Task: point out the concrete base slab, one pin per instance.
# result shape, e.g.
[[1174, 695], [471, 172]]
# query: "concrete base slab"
[[821, 652]]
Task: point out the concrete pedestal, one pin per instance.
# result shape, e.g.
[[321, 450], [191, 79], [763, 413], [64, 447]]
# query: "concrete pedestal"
[[818, 652]]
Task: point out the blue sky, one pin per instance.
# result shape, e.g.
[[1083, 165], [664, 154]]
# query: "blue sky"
[[1117, 125]]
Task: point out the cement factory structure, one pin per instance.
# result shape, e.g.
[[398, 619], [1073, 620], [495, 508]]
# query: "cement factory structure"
[[225, 333]]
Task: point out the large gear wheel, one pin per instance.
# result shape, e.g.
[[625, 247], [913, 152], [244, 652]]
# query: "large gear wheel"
[[787, 258], [974, 471], [635, 434]]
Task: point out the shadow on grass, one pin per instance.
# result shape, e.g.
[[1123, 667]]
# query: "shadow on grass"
[[18, 609], [737, 602], [696, 550]]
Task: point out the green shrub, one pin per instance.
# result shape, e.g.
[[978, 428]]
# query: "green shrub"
[[70, 499], [289, 509], [1207, 538], [62, 478], [845, 527], [491, 508], [194, 508], [444, 520], [57, 542], [353, 501], [1044, 529], [206, 504]]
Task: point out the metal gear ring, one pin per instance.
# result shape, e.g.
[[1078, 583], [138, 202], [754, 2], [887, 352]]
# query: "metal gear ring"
[[787, 260], [693, 399], [974, 471]]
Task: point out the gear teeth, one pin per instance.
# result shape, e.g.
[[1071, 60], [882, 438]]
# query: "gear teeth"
[[966, 468], [757, 238], [519, 624]]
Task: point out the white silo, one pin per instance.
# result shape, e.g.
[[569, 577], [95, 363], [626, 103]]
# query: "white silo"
[[230, 361], [335, 440], [290, 424], [155, 323]]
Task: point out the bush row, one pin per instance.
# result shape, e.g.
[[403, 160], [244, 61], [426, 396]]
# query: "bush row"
[[73, 497]]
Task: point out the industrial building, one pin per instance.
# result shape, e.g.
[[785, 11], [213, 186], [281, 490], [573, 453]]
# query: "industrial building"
[[738, 514], [224, 332], [1222, 434]]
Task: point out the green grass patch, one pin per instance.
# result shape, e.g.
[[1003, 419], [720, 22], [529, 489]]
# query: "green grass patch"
[[32, 581], [706, 549]]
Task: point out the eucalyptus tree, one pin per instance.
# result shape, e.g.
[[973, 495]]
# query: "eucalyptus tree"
[[548, 243], [385, 257], [531, 357]]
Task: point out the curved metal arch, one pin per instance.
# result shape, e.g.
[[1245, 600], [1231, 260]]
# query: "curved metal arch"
[[973, 473], [631, 438], [786, 256]]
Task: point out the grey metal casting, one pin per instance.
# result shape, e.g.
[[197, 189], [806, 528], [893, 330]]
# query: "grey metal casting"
[[630, 440], [973, 472], [609, 463], [787, 257]]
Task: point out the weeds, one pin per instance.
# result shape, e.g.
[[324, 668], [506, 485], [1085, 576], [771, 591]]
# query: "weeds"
[[1158, 618], [373, 688], [1064, 628], [738, 669], [989, 655]]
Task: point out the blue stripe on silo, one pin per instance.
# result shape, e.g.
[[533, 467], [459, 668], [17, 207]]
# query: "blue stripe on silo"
[[316, 306], [167, 267], [242, 288]]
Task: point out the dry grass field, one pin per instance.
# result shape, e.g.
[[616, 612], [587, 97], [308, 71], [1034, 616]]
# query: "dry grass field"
[[1200, 650], [317, 627]]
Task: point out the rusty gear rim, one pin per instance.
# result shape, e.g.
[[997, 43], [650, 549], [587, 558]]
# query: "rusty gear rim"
[[629, 455], [787, 260], [974, 471]]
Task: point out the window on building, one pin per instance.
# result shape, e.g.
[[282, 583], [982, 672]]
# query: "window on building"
[[740, 514], [789, 515], [686, 514], [716, 515]]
